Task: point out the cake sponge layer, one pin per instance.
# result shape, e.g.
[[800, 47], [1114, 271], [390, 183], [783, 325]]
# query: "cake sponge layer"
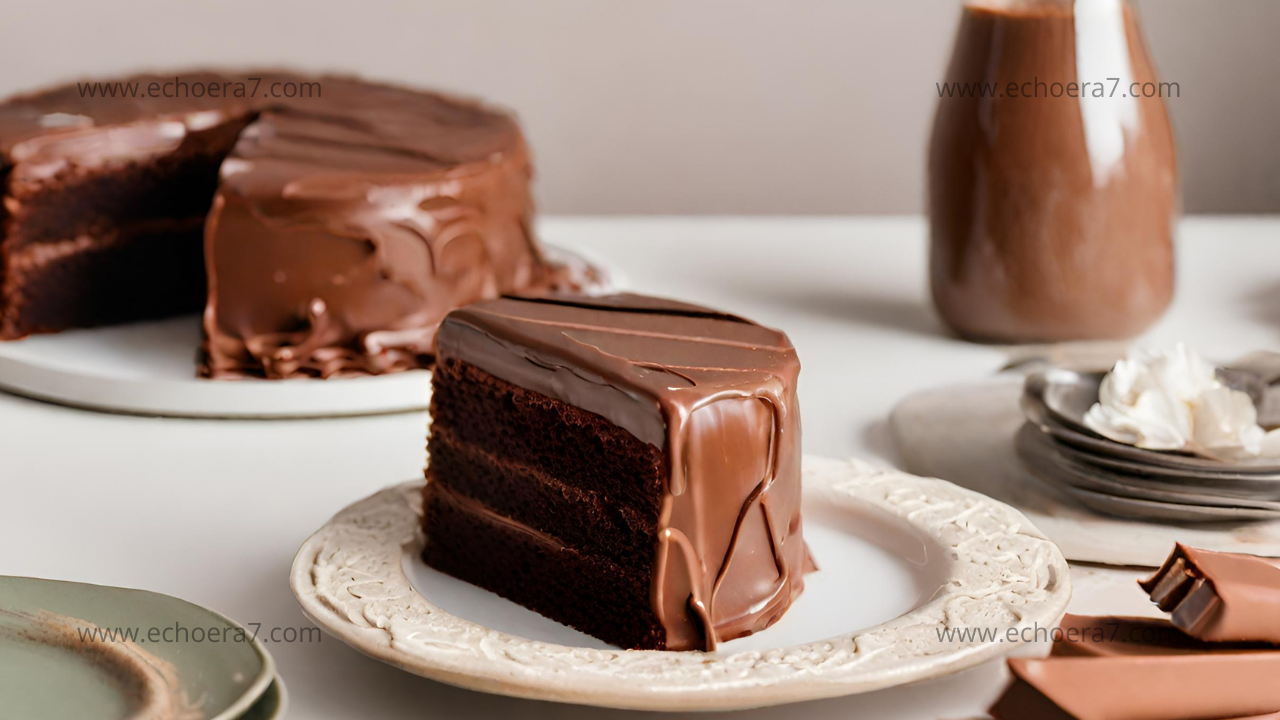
[[530, 496], [583, 591], [532, 430]]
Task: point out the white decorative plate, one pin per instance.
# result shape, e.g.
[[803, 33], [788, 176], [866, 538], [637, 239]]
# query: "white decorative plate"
[[149, 368], [902, 559], [965, 434]]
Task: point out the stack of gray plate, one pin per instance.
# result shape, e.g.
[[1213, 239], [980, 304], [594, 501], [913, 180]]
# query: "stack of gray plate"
[[1128, 481]]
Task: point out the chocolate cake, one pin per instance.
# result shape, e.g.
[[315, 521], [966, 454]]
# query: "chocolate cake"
[[335, 230], [625, 465], [104, 201]]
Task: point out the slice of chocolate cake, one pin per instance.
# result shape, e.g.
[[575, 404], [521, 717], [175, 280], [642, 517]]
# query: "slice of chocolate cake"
[[625, 465]]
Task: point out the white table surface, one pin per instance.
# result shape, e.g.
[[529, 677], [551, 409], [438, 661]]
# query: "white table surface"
[[212, 511]]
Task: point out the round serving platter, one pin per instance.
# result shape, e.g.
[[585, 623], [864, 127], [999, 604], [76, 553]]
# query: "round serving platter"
[[902, 561], [149, 368], [1050, 462]]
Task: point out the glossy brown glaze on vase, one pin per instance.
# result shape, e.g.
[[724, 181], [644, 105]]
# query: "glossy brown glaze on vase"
[[1051, 218]]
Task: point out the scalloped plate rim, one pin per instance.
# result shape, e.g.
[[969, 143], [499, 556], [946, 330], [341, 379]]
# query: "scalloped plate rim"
[[618, 686]]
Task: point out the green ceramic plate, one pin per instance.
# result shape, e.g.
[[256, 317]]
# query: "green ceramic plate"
[[69, 650], [272, 704]]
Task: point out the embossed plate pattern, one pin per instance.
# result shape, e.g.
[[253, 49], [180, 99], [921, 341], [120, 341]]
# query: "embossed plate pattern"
[[999, 572]]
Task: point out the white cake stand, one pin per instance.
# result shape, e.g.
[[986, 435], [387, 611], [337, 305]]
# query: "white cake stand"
[[149, 369]]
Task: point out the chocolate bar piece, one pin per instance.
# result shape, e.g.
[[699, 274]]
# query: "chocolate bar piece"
[[1134, 652], [1157, 687], [1087, 636], [1219, 597]]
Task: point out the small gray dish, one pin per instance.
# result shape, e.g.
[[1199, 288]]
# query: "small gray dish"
[[1165, 512], [1140, 508], [1246, 486], [1039, 451]]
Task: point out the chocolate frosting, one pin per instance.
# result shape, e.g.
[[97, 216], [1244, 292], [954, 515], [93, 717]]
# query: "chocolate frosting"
[[1219, 597], [718, 394], [345, 229], [47, 133]]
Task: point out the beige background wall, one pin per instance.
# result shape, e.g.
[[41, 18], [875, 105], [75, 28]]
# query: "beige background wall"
[[685, 106]]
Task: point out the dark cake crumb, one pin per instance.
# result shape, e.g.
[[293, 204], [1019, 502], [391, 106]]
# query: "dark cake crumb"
[[595, 489]]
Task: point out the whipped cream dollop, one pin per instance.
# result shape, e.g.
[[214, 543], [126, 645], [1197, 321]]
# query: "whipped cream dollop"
[[1173, 400]]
